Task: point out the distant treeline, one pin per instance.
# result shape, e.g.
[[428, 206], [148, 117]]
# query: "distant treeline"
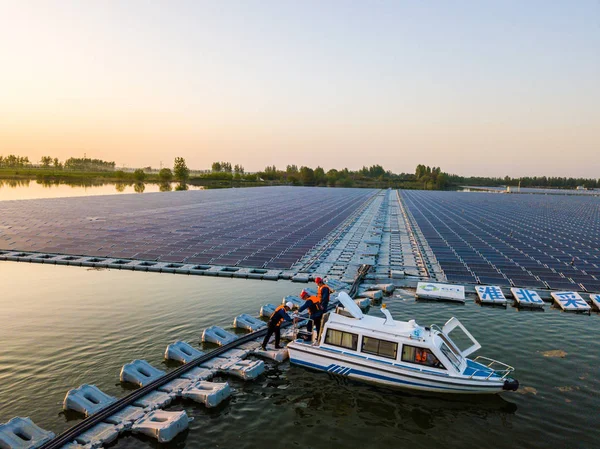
[[527, 181], [73, 163], [424, 177], [373, 176]]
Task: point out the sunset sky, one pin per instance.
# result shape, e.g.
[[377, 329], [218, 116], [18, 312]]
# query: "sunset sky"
[[476, 87]]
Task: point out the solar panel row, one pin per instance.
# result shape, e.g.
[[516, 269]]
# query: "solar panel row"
[[512, 240], [268, 227]]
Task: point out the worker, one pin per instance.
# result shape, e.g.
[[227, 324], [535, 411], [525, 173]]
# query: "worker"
[[315, 310], [323, 293], [275, 321]]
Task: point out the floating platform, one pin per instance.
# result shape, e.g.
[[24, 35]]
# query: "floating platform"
[[440, 292], [570, 302], [183, 352], [490, 294], [527, 298], [87, 400], [248, 322], [125, 418], [155, 400], [161, 425], [22, 433], [217, 335], [99, 435], [267, 310], [210, 394], [140, 372]]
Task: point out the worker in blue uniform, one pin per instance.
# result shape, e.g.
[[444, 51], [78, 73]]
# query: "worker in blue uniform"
[[315, 310], [275, 321]]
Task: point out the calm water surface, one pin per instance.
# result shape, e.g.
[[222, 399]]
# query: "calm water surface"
[[30, 189], [64, 326]]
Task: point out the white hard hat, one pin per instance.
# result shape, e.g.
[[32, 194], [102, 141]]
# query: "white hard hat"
[[289, 305]]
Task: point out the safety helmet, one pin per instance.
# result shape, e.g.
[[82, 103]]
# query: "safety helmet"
[[289, 305], [304, 294], [318, 280]]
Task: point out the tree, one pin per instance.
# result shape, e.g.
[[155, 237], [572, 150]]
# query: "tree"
[[320, 177], [238, 169], [139, 175], [291, 169], [180, 169], [57, 164], [46, 161], [307, 176], [216, 167], [226, 167], [165, 174]]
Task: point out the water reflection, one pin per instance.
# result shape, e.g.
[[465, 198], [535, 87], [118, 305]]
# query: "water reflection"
[[16, 189], [14, 182]]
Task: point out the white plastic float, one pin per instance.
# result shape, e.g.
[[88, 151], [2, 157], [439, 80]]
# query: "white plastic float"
[[386, 288], [74, 445], [245, 321], [595, 301], [297, 301], [336, 285], [140, 372], [176, 386], [363, 303], [235, 353], [210, 394], [87, 399], [244, 369], [217, 335], [371, 294], [195, 374], [267, 310], [443, 292], [183, 352], [22, 433], [99, 435], [490, 294], [277, 355], [125, 417], [155, 400], [527, 298], [164, 426], [570, 302]]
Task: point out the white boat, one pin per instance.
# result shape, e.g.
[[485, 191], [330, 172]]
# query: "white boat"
[[399, 354]]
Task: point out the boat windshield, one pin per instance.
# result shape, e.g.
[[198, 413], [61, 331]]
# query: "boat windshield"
[[450, 355]]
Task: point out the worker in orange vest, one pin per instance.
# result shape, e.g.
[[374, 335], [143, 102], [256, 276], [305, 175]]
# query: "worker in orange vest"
[[315, 309], [323, 293], [275, 321]]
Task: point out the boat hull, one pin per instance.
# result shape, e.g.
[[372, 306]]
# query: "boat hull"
[[388, 374]]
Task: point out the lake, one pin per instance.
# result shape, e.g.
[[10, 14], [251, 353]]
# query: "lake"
[[65, 326]]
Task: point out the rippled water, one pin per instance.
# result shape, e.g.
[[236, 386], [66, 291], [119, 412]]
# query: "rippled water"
[[64, 326]]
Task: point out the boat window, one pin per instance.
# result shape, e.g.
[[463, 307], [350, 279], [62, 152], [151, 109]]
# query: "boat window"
[[382, 348], [450, 355], [421, 356], [341, 339]]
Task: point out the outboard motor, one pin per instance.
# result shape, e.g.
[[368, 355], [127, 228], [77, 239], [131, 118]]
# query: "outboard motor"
[[511, 385]]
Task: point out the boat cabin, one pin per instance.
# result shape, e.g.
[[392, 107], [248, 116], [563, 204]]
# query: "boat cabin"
[[400, 343]]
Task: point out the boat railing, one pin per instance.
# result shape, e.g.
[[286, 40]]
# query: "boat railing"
[[490, 363], [435, 327]]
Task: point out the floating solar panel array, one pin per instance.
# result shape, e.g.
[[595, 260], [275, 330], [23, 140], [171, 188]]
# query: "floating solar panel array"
[[536, 241], [270, 227]]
